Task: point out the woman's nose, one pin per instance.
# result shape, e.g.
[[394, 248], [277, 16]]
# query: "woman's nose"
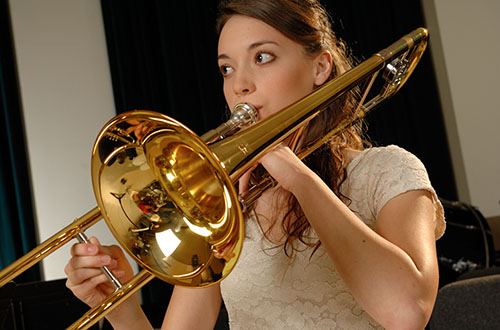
[[243, 84]]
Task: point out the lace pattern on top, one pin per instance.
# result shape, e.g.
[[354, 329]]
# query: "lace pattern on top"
[[380, 174], [268, 290]]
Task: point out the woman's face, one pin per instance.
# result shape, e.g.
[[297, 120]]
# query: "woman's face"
[[264, 68]]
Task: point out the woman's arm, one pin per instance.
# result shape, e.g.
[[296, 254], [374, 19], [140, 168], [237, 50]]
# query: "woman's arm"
[[392, 272], [189, 308], [193, 308], [89, 284]]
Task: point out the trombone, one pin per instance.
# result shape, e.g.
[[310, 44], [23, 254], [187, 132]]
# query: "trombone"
[[169, 197]]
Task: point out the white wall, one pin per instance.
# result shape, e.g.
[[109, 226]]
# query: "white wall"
[[465, 45], [66, 98]]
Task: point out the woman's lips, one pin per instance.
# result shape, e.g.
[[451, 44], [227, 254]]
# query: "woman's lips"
[[258, 108]]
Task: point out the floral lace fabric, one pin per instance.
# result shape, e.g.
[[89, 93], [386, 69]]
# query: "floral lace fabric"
[[268, 290]]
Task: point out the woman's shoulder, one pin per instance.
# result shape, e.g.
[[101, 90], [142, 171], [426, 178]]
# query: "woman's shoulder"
[[378, 174], [390, 155], [383, 172]]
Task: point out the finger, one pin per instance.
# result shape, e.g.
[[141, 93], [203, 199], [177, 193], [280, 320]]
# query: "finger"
[[95, 240], [97, 261], [243, 183], [75, 264], [139, 130], [114, 251], [87, 287], [95, 248], [84, 249], [245, 179], [80, 275], [133, 121]]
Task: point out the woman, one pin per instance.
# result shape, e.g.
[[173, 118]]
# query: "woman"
[[347, 238]]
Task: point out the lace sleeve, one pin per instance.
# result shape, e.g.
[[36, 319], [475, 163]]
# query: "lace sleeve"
[[390, 171]]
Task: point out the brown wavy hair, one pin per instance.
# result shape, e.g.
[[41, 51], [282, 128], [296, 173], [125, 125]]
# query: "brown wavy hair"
[[308, 23]]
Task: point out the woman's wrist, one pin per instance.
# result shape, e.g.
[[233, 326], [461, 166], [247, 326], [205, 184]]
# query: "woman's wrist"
[[303, 182], [129, 315]]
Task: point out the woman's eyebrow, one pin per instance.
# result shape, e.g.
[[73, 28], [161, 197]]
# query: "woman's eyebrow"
[[252, 46], [260, 43]]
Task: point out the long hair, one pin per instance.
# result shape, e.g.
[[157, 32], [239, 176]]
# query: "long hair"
[[308, 23]]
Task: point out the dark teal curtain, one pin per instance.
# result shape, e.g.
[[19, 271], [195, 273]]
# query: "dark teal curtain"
[[17, 225]]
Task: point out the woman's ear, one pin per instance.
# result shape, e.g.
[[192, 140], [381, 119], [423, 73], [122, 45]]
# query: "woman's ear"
[[323, 67]]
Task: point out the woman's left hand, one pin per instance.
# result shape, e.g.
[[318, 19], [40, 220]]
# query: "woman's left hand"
[[284, 166]]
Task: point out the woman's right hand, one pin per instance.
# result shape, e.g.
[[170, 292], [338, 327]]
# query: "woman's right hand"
[[85, 278]]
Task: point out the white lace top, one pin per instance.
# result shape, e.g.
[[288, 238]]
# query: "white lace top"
[[268, 290]]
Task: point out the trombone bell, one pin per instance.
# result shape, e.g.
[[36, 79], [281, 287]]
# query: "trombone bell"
[[167, 199]]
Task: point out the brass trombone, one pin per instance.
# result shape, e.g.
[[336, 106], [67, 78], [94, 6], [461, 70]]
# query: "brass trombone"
[[169, 198]]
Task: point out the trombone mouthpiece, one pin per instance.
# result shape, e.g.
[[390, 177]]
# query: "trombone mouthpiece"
[[243, 115]]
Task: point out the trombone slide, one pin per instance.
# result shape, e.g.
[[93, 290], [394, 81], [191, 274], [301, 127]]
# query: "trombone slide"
[[50, 245]]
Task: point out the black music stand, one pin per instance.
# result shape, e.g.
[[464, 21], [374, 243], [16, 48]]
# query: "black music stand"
[[6, 295], [45, 305]]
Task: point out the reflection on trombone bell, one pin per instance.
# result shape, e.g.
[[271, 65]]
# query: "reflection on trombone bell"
[[159, 236], [169, 198]]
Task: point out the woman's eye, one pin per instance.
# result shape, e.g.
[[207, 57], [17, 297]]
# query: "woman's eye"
[[225, 70], [262, 58]]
